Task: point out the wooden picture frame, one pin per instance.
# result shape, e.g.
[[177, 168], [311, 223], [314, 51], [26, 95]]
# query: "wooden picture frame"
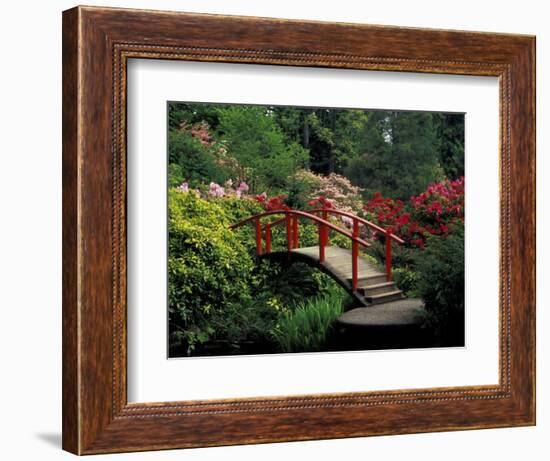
[[97, 43]]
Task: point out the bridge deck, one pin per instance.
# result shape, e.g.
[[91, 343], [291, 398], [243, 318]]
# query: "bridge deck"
[[373, 286], [338, 261]]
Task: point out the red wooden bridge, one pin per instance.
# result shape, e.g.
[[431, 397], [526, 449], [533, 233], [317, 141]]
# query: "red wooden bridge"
[[362, 279]]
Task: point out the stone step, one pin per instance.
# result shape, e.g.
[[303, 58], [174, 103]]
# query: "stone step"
[[385, 297], [368, 279], [377, 289]]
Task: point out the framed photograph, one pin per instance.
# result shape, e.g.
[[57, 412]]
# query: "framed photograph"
[[282, 230]]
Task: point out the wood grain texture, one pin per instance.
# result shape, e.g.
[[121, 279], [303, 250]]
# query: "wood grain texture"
[[97, 42], [70, 382]]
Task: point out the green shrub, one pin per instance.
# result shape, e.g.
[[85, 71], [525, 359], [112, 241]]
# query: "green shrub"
[[195, 163], [307, 327], [253, 138], [248, 320], [209, 268], [440, 284], [237, 209], [402, 256], [406, 280]]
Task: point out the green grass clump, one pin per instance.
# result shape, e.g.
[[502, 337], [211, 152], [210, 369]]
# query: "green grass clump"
[[307, 327]]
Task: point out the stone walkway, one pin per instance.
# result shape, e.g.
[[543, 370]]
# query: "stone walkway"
[[398, 313]]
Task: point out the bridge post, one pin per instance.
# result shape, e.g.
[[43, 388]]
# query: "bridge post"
[[388, 254], [325, 229], [295, 232], [354, 255], [268, 238], [258, 237], [321, 245], [288, 230], [321, 230]]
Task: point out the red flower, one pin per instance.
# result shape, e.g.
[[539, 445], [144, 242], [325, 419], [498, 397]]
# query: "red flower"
[[430, 212], [322, 202], [261, 197], [276, 203]]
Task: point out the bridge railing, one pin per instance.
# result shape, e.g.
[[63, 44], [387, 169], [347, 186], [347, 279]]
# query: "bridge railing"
[[358, 221], [290, 219]]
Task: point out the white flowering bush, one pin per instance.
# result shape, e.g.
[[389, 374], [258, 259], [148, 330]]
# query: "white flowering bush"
[[335, 188]]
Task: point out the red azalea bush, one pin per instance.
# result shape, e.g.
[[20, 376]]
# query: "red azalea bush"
[[322, 202], [430, 213], [274, 203]]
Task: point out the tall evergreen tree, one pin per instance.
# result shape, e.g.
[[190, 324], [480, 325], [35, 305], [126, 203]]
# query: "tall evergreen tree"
[[450, 131], [400, 154]]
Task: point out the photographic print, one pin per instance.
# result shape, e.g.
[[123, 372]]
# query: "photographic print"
[[310, 229]]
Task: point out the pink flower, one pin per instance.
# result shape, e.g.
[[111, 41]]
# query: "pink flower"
[[347, 221], [216, 190], [243, 187], [262, 197], [183, 187]]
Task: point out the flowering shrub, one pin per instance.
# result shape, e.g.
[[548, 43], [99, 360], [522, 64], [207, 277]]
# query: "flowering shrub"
[[183, 187], [200, 142], [322, 202], [274, 203], [442, 203], [430, 213], [200, 131], [334, 190], [217, 191]]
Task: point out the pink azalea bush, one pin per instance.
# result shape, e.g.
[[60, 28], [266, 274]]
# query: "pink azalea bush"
[[217, 148], [200, 131], [183, 187], [333, 190], [217, 191]]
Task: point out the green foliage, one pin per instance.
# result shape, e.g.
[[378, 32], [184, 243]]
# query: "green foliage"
[[401, 159], [238, 209], [299, 189], [406, 280], [253, 138], [450, 130], [440, 284], [190, 113], [308, 326], [402, 256], [249, 320], [191, 161], [209, 268], [396, 153], [175, 175]]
